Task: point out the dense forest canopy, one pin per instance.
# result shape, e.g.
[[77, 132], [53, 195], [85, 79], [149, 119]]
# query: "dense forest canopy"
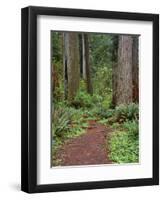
[[95, 77]]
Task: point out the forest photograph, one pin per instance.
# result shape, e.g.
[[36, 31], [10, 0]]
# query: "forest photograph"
[[94, 98]]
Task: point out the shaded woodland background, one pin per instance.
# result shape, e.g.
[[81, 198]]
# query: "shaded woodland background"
[[95, 77]]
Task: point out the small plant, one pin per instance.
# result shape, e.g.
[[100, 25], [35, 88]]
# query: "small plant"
[[124, 148], [132, 127], [97, 99], [83, 85], [125, 113], [61, 120], [124, 142], [82, 100], [103, 113], [78, 124], [116, 126], [67, 123]]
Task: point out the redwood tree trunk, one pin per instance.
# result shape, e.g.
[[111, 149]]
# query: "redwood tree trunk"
[[71, 64], [135, 70], [86, 64], [83, 57], [123, 72]]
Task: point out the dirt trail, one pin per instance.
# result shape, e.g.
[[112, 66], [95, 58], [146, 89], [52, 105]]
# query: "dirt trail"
[[87, 149]]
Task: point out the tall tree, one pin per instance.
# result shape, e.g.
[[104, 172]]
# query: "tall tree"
[[114, 58], [84, 57], [81, 54], [123, 81], [135, 68], [71, 64], [56, 53], [86, 64]]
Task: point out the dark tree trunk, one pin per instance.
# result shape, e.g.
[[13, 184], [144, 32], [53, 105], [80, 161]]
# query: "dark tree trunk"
[[114, 68], [55, 79], [135, 70], [83, 57], [65, 76], [71, 65], [86, 64], [122, 86]]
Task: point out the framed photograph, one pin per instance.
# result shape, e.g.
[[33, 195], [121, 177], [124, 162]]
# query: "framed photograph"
[[90, 99]]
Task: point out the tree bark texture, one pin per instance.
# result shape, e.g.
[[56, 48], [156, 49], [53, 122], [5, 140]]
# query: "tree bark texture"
[[135, 68], [83, 57], [86, 65], [65, 78], [80, 55], [123, 72], [71, 64]]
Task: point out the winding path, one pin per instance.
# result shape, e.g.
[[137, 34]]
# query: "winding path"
[[87, 149]]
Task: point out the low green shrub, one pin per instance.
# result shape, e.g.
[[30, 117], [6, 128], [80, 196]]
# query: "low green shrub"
[[82, 100], [83, 85], [124, 148], [125, 113], [67, 122], [106, 102], [97, 99], [116, 126], [103, 113], [103, 102], [132, 127], [60, 121]]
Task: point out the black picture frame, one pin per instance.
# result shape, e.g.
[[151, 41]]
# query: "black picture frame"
[[29, 99]]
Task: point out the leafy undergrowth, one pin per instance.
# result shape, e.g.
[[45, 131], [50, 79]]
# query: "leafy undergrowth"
[[124, 148], [71, 120], [123, 143], [67, 123]]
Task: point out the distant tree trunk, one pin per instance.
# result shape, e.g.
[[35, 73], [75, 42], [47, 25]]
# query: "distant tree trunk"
[[84, 57], [55, 79], [123, 72], [81, 55], [114, 68], [86, 64], [65, 76], [71, 64], [135, 70]]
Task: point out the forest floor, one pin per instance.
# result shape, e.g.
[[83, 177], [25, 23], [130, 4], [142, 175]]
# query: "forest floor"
[[87, 149]]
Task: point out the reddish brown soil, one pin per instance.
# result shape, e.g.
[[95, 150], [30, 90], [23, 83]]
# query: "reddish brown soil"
[[87, 149]]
